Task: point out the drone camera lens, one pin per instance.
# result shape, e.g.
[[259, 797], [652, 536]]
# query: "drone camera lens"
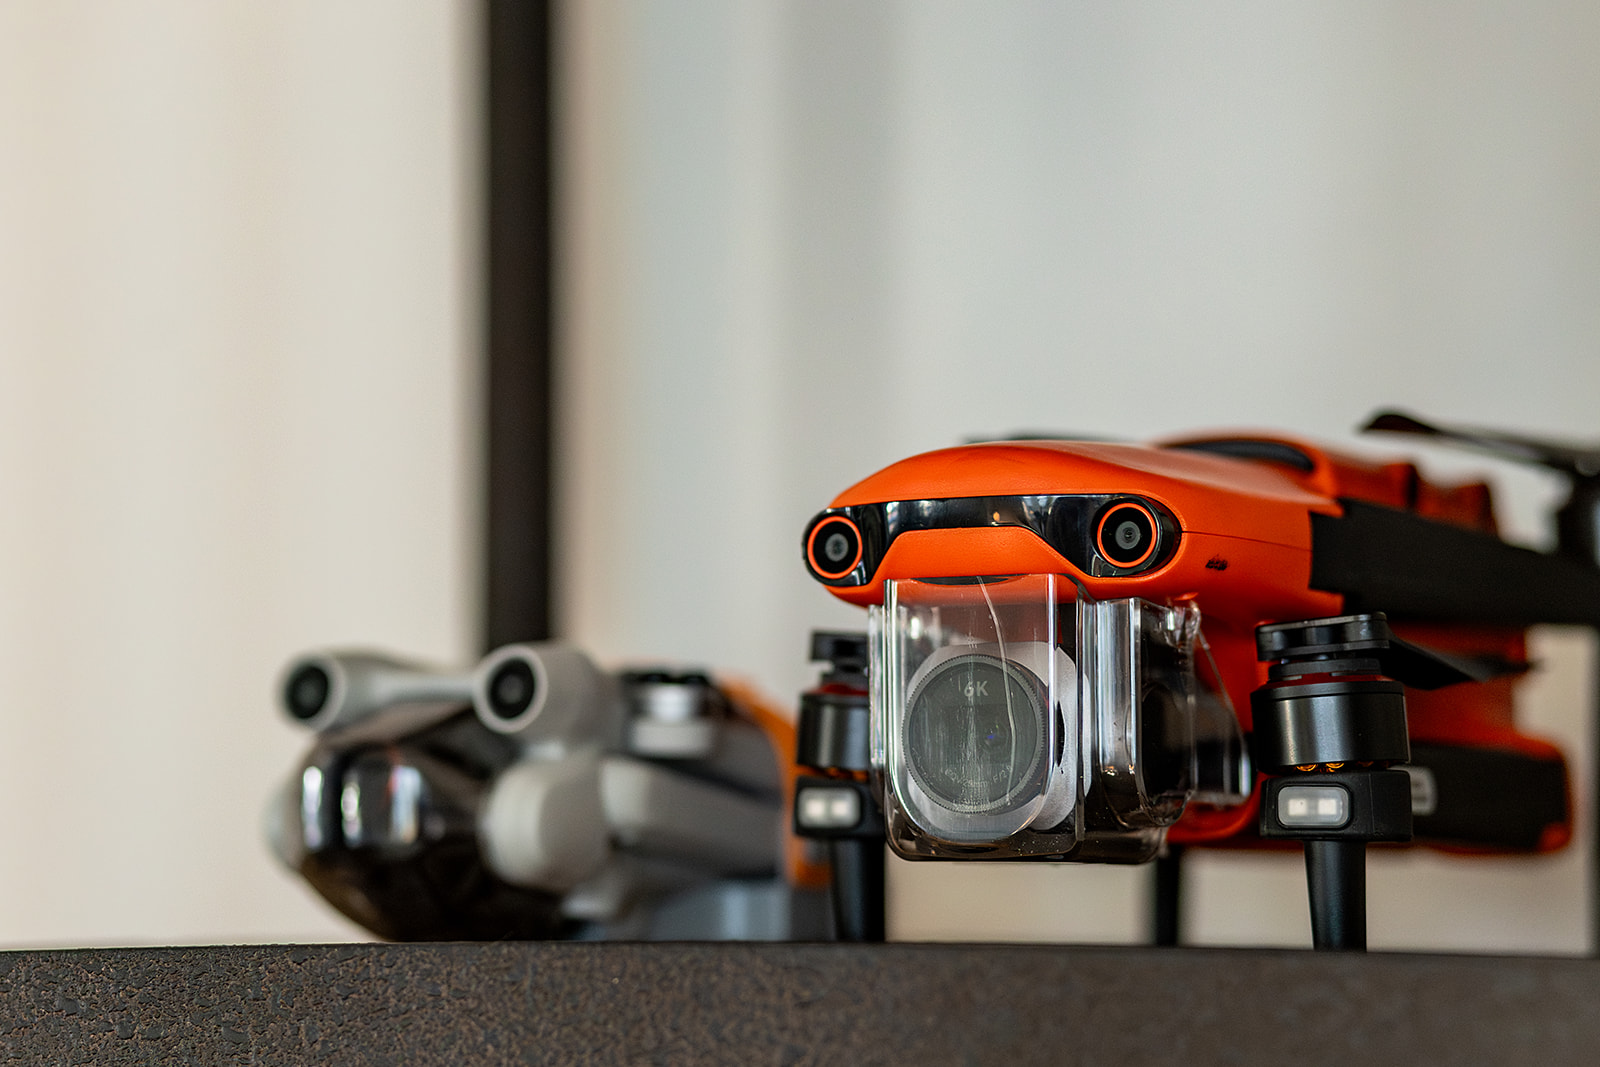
[[306, 692], [975, 734], [1127, 534], [512, 689], [834, 547]]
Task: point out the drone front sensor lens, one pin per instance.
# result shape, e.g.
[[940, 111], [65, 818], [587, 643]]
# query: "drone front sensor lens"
[[306, 691], [1127, 534], [512, 689], [834, 547]]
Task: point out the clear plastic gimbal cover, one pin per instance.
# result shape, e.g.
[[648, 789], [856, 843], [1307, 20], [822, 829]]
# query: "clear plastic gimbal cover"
[[1017, 716]]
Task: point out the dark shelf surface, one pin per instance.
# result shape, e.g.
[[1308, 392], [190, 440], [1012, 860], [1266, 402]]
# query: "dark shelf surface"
[[789, 1004]]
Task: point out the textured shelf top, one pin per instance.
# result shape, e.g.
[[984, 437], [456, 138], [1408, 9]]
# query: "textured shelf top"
[[788, 1004]]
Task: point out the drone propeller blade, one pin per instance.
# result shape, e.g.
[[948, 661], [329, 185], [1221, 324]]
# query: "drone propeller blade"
[[1578, 460], [1400, 422]]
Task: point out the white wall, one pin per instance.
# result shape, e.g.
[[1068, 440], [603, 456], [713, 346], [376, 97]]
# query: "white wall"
[[238, 315], [810, 237]]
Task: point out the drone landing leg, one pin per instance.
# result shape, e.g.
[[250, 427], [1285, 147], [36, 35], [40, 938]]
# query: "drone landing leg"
[[1167, 897], [1336, 881], [834, 801], [1578, 537], [858, 908], [1330, 726]]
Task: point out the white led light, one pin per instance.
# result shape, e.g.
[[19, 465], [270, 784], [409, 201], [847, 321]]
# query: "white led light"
[[1324, 807], [1424, 790], [828, 808]]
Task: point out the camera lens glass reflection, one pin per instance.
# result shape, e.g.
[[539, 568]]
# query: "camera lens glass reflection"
[[975, 733]]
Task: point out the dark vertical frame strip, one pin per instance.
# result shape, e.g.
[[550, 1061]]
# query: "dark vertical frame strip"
[[520, 320]]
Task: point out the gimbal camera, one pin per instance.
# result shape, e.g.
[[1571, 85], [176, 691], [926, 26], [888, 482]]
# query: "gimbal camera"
[[1098, 652], [537, 796]]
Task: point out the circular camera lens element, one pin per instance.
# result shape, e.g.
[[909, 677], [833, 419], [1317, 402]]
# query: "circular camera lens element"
[[834, 547], [306, 691], [1127, 534], [975, 734], [511, 689]]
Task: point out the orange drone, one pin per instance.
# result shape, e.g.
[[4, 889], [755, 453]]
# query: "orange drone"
[[1094, 652]]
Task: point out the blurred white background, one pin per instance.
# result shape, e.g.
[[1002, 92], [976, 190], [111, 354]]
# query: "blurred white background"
[[238, 351], [239, 330]]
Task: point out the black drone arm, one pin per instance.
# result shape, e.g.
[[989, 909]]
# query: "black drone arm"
[[1384, 559]]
